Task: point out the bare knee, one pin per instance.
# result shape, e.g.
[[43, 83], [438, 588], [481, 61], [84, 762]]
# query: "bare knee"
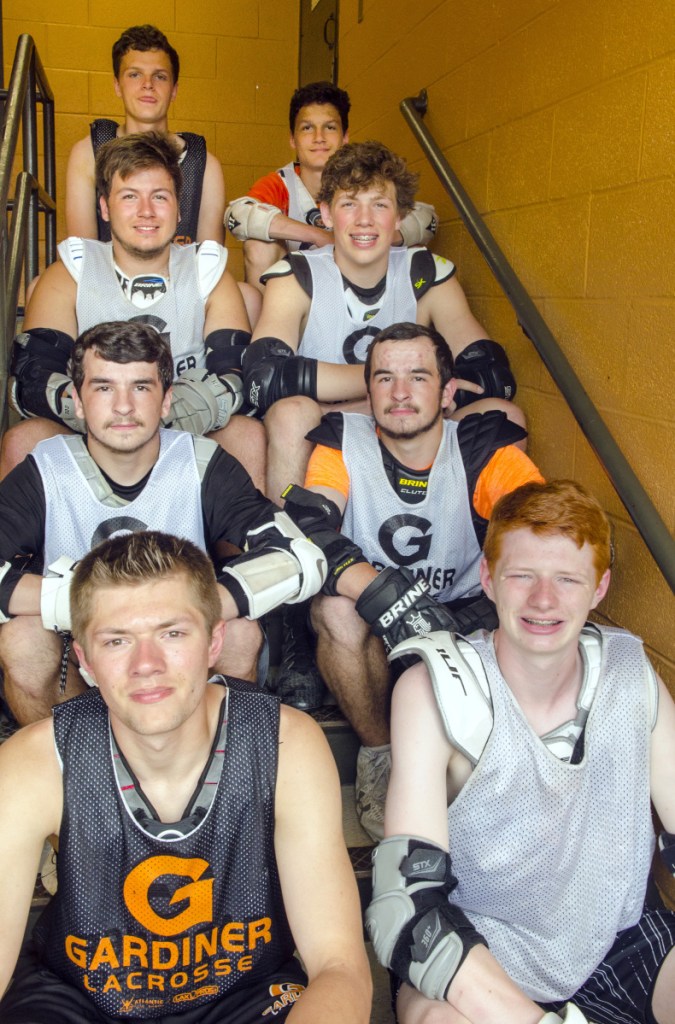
[[30, 655], [291, 417], [336, 619], [20, 440], [245, 439]]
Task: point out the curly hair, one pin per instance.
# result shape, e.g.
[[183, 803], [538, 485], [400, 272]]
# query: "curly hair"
[[360, 165]]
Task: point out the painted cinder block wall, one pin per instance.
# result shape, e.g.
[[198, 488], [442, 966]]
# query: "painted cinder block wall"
[[239, 62], [559, 118]]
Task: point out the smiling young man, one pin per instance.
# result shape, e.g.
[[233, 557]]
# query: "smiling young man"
[[145, 69], [414, 491], [322, 309], [531, 754], [280, 213], [185, 292], [199, 824], [123, 475]]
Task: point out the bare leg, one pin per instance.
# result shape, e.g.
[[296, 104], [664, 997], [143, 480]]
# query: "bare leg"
[[414, 1008], [252, 300], [286, 423], [20, 440], [259, 257], [31, 656], [239, 657], [245, 439], [663, 1000], [354, 667]]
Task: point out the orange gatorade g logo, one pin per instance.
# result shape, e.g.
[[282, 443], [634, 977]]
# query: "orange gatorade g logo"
[[199, 894]]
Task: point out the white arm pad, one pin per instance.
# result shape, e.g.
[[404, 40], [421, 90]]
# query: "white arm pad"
[[55, 595], [460, 687], [247, 217], [419, 226], [288, 574], [202, 402]]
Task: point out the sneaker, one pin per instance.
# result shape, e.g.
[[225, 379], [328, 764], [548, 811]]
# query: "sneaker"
[[298, 681], [373, 768]]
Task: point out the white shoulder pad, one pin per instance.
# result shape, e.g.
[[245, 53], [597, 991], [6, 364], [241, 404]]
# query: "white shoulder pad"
[[444, 267], [282, 268], [211, 262], [71, 251], [460, 687]]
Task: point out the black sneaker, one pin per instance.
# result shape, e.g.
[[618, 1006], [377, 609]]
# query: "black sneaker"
[[298, 681]]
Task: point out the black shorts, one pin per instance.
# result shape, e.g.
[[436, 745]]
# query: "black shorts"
[[619, 991], [37, 996]]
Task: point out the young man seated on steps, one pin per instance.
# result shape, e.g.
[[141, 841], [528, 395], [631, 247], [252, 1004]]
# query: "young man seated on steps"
[[280, 213], [199, 825], [414, 490], [185, 292], [518, 825]]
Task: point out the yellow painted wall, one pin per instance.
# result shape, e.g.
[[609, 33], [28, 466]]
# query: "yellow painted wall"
[[559, 118], [238, 68]]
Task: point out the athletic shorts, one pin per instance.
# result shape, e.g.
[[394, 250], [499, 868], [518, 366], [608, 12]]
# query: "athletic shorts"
[[619, 991], [38, 996]]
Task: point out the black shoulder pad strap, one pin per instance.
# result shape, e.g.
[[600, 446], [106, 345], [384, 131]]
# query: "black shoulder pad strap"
[[330, 431], [479, 436], [422, 271]]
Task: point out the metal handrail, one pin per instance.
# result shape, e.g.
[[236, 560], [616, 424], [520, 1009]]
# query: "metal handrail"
[[19, 247], [637, 502]]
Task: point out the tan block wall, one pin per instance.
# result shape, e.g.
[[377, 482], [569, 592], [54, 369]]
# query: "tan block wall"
[[558, 117], [239, 62]]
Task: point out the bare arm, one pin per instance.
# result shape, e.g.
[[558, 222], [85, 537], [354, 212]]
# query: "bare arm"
[[285, 229], [446, 307], [31, 798], [317, 881], [81, 191], [663, 759], [422, 759], [212, 205], [52, 304], [285, 309]]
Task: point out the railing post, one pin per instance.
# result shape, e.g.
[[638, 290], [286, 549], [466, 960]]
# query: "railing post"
[[30, 162]]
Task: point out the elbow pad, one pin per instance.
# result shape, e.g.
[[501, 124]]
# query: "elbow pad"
[[284, 567], [202, 402], [320, 519], [273, 371], [484, 362], [247, 217], [42, 387], [419, 226], [55, 595], [414, 928]]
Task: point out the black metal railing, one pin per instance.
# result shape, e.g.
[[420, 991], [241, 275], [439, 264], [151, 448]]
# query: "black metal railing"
[[638, 504], [19, 223]]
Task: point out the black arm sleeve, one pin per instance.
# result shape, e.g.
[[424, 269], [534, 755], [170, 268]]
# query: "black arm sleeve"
[[231, 505], [22, 526], [225, 350]]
